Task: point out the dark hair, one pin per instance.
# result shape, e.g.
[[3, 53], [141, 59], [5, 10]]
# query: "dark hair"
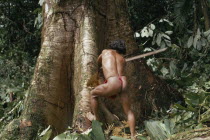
[[119, 46]]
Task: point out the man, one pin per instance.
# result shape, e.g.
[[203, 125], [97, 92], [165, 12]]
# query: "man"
[[115, 85]]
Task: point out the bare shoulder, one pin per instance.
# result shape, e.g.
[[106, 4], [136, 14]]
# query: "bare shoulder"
[[108, 51]]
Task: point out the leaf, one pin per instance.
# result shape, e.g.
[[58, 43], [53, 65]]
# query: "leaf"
[[199, 32], [195, 41], [166, 36], [206, 33], [162, 44], [144, 32], [152, 26], [208, 38], [178, 106], [47, 135], [45, 131], [97, 131], [169, 32], [172, 68], [184, 67], [157, 130], [147, 49], [190, 42], [168, 43], [192, 98], [203, 42], [154, 39], [170, 23], [150, 32], [118, 138], [60, 137], [159, 38], [41, 2], [187, 115], [136, 34], [164, 71], [198, 45], [72, 136]]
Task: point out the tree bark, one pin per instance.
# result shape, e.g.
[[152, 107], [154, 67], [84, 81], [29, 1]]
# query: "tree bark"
[[73, 35]]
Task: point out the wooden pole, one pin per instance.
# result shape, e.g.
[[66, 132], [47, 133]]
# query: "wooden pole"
[[146, 54]]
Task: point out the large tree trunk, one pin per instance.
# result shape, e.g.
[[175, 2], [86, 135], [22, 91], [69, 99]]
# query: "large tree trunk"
[[73, 35]]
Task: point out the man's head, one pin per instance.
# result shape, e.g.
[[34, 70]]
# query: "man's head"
[[119, 46]]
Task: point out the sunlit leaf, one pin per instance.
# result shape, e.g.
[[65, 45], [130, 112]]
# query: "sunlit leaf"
[[45, 131], [159, 38], [144, 32], [150, 32], [169, 32], [41, 2], [164, 71], [136, 34], [190, 42], [47, 135], [166, 36], [152, 26]]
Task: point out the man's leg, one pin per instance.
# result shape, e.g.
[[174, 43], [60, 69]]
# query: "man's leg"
[[95, 93], [94, 106], [130, 115]]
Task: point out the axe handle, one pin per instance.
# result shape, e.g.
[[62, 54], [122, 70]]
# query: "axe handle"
[[146, 54]]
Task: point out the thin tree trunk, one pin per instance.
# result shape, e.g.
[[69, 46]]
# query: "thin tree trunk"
[[195, 17], [204, 8]]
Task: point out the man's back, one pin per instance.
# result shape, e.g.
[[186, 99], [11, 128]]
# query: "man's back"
[[112, 63]]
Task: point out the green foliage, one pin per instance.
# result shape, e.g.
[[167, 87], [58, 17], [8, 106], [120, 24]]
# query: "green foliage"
[[17, 30], [19, 47], [45, 134], [96, 133], [183, 13], [158, 130], [185, 66]]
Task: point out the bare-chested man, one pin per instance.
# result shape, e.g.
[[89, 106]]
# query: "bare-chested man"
[[113, 65]]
